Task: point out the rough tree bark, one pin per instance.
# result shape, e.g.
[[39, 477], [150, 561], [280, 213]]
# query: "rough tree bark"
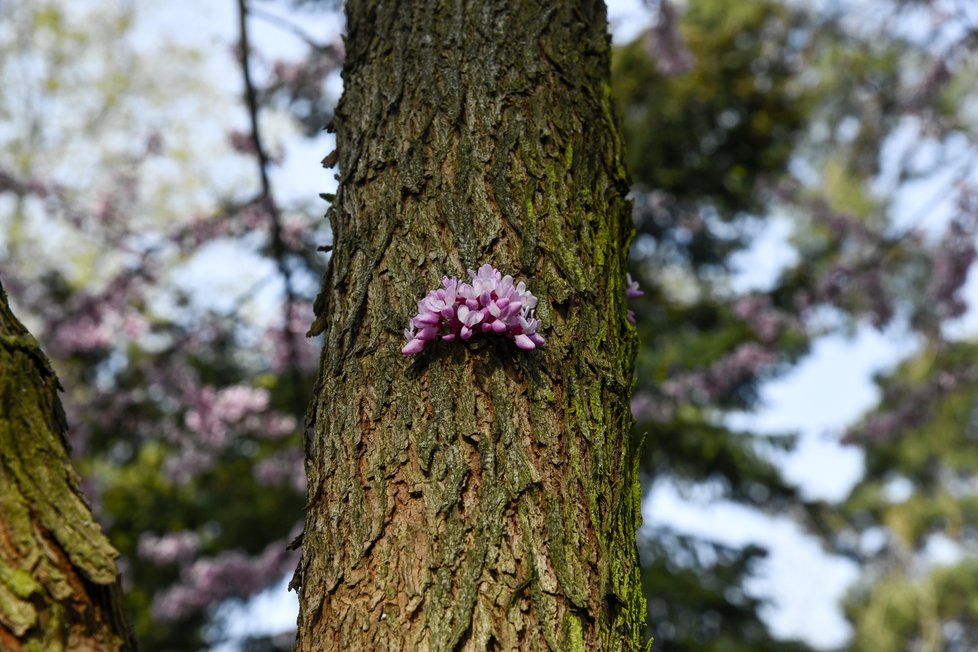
[[59, 586], [476, 496]]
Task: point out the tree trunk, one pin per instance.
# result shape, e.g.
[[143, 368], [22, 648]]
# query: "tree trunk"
[[475, 496], [59, 586]]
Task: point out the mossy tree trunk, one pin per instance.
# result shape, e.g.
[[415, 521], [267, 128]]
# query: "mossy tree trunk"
[[475, 496], [59, 586]]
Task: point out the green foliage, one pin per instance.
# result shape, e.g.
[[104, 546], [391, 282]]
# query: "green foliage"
[[917, 493], [790, 111], [711, 135], [707, 143], [686, 571]]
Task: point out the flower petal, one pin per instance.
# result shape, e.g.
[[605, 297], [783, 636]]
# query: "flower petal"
[[412, 347]]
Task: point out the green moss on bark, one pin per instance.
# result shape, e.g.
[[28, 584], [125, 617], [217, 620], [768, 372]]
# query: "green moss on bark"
[[58, 579]]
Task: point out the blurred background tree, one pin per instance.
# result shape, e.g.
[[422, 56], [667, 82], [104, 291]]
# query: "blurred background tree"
[[171, 283], [158, 234], [702, 135], [740, 115]]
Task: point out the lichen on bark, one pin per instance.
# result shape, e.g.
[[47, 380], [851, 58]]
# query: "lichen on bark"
[[59, 586], [475, 496]]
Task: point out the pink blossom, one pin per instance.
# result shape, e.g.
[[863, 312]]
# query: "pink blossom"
[[86, 333], [907, 406], [287, 466], [277, 425], [646, 407], [134, 325], [183, 466], [490, 304], [230, 574], [764, 319], [632, 291], [952, 263], [168, 548], [665, 43], [287, 72], [214, 411], [241, 141], [154, 144], [284, 339], [743, 363], [236, 401]]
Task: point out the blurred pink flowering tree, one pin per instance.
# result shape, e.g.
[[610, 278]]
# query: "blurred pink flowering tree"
[[170, 283]]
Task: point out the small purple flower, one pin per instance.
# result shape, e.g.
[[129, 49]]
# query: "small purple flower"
[[632, 291], [469, 319], [491, 303], [413, 346], [527, 337]]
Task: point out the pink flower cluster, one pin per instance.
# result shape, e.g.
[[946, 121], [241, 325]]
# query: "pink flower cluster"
[[213, 411], [232, 573], [490, 304], [169, 548]]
